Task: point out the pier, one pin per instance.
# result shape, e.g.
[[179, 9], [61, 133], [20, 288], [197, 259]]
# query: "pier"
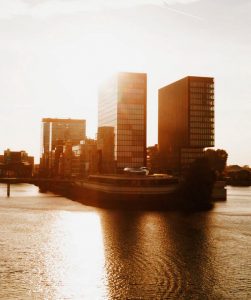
[[45, 183]]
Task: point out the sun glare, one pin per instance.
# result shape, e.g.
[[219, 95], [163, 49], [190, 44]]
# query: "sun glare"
[[78, 265]]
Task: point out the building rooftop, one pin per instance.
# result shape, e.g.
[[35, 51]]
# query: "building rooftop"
[[187, 78], [62, 120]]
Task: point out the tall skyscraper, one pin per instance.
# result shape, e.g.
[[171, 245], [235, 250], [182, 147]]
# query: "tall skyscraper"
[[122, 105], [55, 133], [185, 121]]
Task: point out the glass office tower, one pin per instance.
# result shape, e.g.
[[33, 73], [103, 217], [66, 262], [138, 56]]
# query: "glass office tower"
[[186, 121], [122, 105], [55, 133]]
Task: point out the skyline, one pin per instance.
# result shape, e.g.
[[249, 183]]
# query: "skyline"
[[56, 54]]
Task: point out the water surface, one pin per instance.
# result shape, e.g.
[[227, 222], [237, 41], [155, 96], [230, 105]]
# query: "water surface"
[[54, 248]]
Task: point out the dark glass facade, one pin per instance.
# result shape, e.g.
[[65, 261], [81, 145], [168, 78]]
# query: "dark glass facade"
[[105, 146], [186, 121], [122, 105], [201, 112], [54, 130]]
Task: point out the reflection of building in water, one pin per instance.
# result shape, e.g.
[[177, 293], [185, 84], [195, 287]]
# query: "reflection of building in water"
[[122, 105], [55, 133], [185, 121]]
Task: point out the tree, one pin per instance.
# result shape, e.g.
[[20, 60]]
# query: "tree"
[[198, 185], [217, 160]]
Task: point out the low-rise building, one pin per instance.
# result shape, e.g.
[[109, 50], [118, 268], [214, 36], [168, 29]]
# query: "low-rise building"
[[85, 158], [16, 164]]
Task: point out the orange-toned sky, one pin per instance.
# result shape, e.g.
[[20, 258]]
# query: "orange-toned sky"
[[55, 53]]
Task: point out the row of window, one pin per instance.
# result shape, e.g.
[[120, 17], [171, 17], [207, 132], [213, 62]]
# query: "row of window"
[[103, 114], [190, 150], [130, 111], [107, 114], [202, 136], [203, 113], [131, 117], [209, 126], [107, 99], [202, 143], [107, 122], [126, 154], [133, 90], [201, 90], [131, 126], [133, 106], [200, 107], [129, 138], [128, 149], [130, 122], [201, 84], [107, 105], [135, 132], [133, 81], [201, 98], [136, 142], [130, 159], [192, 155], [202, 130], [126, 96], [200, 120]]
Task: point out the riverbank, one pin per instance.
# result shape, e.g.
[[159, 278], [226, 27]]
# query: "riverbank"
[[133, 192]]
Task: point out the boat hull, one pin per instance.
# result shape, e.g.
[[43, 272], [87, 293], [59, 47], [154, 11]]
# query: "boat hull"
[[113, 196]]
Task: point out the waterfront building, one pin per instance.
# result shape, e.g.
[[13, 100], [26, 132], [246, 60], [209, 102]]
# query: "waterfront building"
[[55, 133], [153, 163], [17, 164], [122, 105], [15, 157], [78, 161], [185, 121], [1, 165], [84, 159], [65, 161]]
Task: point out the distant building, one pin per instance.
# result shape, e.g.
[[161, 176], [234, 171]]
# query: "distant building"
[[78, 161], [16, 164], [122, 105], [185, 121], [1, 165], [65, 161], [85, 158], [13, 157], [1, 159], [153, 163], [55, 133]]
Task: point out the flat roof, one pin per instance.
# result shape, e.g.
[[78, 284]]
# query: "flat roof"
[[202, 78], [55, 120]]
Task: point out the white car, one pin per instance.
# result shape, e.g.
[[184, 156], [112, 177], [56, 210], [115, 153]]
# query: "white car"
[[138, 171]]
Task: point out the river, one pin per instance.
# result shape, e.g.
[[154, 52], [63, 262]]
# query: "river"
[[54, 248]]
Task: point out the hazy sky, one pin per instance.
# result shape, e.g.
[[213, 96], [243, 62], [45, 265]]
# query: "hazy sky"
[[55, 53]]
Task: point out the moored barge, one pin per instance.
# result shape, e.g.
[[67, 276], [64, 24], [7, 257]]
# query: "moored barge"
[[127, 190]]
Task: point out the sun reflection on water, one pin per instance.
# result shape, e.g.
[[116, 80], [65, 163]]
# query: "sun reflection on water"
[[76, 268]]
